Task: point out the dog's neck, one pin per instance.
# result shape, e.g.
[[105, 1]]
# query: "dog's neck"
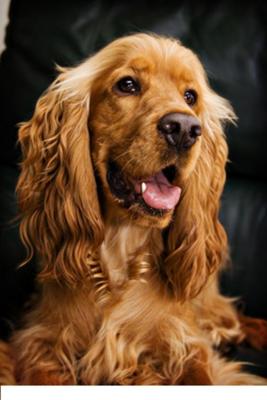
[[126, 249]]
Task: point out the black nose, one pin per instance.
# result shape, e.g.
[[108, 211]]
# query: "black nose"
[[180, 130]]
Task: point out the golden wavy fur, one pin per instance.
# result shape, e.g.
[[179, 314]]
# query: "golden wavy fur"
[[127, 295]]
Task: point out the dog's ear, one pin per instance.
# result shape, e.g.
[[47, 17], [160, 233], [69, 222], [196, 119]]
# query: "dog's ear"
[[57, 192], [196, 242]]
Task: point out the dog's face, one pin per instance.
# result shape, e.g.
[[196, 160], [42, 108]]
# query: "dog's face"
[[145, 126]]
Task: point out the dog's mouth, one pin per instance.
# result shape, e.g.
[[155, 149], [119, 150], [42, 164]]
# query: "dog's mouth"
[[155, 194]]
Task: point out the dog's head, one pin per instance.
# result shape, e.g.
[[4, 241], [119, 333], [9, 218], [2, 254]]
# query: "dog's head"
[[133, 133], [145, 127]]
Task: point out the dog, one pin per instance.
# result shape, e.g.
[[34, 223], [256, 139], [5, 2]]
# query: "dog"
[[123, 168]]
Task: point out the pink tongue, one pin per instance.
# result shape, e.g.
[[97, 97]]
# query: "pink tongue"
[[160, 194]]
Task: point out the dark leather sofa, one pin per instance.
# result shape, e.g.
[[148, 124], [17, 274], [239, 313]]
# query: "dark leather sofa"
[[231, 42]]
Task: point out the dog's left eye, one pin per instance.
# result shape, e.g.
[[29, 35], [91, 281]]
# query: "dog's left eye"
[[190, 97], [127, 85]]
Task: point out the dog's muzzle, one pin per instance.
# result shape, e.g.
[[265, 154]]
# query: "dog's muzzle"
[[156, 193], [179, 130]]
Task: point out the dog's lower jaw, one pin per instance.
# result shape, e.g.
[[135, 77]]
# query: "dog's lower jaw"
[[115, 213], [142, 219]]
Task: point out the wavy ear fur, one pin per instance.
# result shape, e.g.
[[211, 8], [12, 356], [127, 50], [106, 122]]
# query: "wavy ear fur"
[[56, 190], [197, 243]]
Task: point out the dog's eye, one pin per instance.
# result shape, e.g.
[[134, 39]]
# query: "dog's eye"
[[127, 85], [190, 97]]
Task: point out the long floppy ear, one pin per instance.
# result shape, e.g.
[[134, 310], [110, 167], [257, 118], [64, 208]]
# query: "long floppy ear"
[[57, 192], [197, 243]]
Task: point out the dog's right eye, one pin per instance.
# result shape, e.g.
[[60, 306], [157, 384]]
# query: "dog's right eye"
[[127, 86]]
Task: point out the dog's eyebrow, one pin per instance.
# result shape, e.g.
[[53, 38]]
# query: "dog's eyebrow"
[[140, 64]]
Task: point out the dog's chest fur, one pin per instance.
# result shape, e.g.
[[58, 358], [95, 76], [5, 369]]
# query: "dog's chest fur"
[[121, 247]]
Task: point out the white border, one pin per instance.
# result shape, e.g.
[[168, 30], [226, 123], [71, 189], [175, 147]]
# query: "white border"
[[133, 392]]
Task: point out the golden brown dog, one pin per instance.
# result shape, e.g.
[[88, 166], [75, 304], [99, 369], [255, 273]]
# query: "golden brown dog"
[[119, 191]]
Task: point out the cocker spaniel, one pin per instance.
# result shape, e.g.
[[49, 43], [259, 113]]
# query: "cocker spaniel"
[[119, 191]]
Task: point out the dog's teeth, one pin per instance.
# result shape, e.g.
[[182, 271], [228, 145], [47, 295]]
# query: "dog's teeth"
[[143, 187]]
